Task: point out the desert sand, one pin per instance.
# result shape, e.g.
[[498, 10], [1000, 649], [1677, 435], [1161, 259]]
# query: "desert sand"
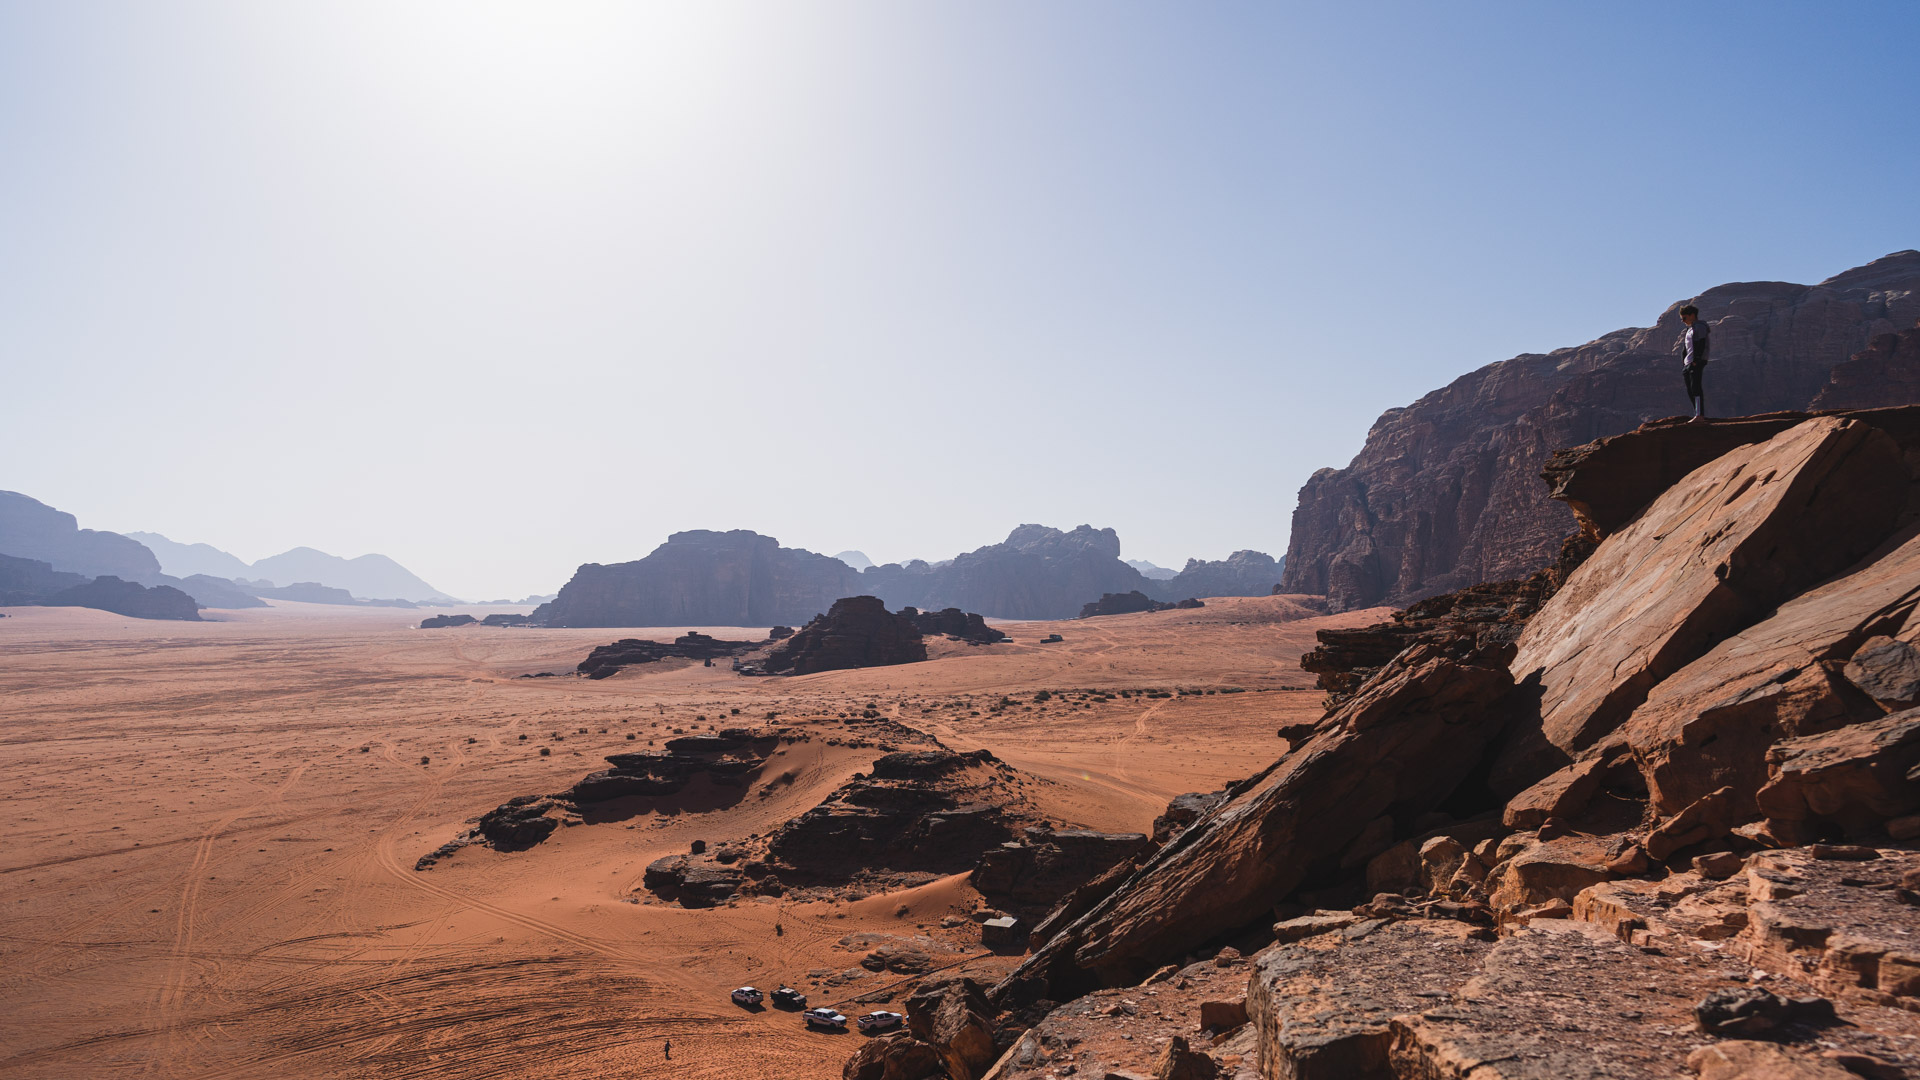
[[213, 828]]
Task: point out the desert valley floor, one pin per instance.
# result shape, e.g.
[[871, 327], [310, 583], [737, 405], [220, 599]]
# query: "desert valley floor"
[[213, 829]]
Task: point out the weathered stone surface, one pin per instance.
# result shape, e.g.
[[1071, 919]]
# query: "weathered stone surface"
[[1182, 811], [1710, 724], [692, 883], [1550, 1003], [1544, 871], [858, 631], [1444, 493], [703, 578], [1708, 557], [1179, 1061], [1046, 864], [1490, 614], [1404, 742], [1853, 779], [1745, 1059], [1323, 1012], [1886, 670], [953, 1017], [1840, 926], [1608, 482], [894, 1056]]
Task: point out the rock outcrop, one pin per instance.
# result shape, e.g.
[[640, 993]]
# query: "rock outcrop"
[[606, 660], [1726, 668], [704, 578], [1887, 371], [950, 622], [856, 632], [1443, 494], [1032, 873], [109, 593], [441, 622], [1127, 604], [1711, 555]]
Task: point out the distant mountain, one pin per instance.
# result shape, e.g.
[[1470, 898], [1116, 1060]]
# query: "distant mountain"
[[1035, 573], [35, 583], [1243, 573], [1150, 571], [30, 529], [704, 578], [856, 559], [370, 576], [186, 560]]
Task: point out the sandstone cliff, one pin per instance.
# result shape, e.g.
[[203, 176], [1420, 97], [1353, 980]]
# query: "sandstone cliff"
[[1443, 495], [704, 578], [1732, 668]]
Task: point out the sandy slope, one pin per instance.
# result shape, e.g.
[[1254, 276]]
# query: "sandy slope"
[[212, 829]]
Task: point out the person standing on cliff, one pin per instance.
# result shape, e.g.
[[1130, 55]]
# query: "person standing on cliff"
[[1696, 344]]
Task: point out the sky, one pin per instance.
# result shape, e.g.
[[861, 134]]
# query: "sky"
[[497, 289]]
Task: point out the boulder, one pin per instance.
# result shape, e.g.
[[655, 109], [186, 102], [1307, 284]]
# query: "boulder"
[[953, 1016], [1182, 811], [1886, 670], [895, 1056], [1853, 779], [518, 823], [858, 631], [1708, 557], [1405, 742]]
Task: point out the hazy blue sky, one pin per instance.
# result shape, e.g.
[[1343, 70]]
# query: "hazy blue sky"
[[496, 289]]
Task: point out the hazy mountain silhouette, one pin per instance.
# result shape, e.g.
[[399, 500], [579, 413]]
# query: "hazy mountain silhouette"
[[30, 529], [368, 577], [1151, 571]]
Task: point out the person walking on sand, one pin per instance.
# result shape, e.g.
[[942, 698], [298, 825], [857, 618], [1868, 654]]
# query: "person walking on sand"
[[669, 1049], [1695, 343]]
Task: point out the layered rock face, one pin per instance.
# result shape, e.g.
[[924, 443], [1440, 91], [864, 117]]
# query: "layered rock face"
[[703, 578], [30, 529], [856, 632], [1036, 573], [1733, 666], [1443, 494]]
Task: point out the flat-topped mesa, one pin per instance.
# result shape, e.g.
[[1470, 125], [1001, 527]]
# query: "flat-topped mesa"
[[703, 578]]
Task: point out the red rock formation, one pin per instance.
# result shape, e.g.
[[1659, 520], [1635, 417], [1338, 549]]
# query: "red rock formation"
[[1444, 493], [858, 631], [1889, 368]]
